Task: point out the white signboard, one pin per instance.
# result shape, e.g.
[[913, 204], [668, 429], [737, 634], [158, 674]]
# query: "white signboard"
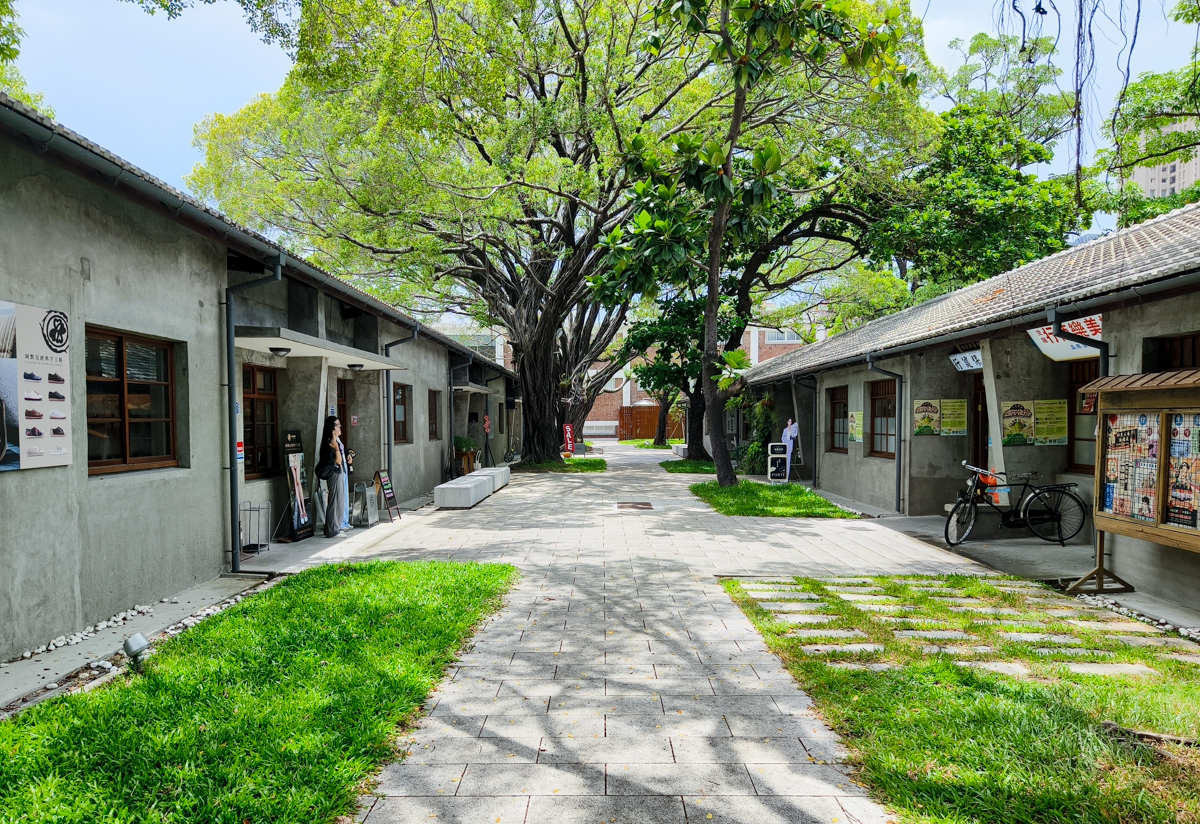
[[35, 387], [967, 361], [1058, 349]]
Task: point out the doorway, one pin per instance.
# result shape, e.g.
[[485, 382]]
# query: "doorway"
[[979, 423], [341, 405]]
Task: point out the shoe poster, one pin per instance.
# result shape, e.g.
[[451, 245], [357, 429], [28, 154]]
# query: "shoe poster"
[[35, 387]]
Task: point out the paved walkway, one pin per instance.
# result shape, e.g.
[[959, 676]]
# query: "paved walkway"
[[619, 683]]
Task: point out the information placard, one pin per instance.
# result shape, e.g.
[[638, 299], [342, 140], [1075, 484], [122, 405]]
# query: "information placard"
[[35, 387], [1016, 423], [954, 416], [927, 417], [1050, 422], [383, 483]]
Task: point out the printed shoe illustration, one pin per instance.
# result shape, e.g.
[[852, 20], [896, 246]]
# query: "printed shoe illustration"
[[32, 396], [33, 414], [29, 376], [34, 452], [58, 415], [57, 432], [54, 377], [34, 432], [58, 450], [56, 396]]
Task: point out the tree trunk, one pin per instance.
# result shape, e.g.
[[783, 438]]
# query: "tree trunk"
[[540, 405], [664, 417], [695, 425]]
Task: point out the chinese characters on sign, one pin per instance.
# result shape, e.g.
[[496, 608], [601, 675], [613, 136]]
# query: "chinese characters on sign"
[[35, 387], [1183, 471], [967, 361], [1131, 465], [954, 416], [927, 417], [1058, 349], [1050, 422]]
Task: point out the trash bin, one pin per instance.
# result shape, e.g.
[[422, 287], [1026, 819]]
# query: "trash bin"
[[365, 509]]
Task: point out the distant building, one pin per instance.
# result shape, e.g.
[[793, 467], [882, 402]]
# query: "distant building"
[[1166, 179]]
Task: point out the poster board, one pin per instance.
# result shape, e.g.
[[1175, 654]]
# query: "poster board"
[[954, 417], [1050, 422], [854, 426], [927, 417], [35, 388], [387, 494], [300, 516], [1016, 423]]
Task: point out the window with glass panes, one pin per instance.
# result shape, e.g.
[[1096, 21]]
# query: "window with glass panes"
[[130, 402], [260, 409], [435, 405], [839, 418], [883, 419], [401, 401], [1081, 431]]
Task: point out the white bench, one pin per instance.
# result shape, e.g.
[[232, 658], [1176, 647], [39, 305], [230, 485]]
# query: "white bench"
[[462, 493], [679, 449], [500, 476]]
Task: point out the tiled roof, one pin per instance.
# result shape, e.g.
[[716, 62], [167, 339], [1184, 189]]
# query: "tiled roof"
[[1159, 248], [56, 137]]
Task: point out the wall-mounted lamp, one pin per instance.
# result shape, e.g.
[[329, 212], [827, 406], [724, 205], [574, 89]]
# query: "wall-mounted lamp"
[[356, 367], [137, 648], [280, 351]]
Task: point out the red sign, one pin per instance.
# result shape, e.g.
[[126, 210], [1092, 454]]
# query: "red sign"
[[354, 420], [569, 437], [487, 424], [241, 451]]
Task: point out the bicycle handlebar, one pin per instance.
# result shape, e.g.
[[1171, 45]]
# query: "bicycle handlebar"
[[979, 470], [1018, 476]]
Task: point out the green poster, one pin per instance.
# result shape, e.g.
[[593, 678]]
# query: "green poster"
[[854, 427], [1016, 423], [927, 417], [1050, 422], [954, 416]]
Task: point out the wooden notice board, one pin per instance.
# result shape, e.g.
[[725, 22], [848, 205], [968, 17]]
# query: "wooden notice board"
[[383, 484]]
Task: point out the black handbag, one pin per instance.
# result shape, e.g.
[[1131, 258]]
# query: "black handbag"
[[327, 470]]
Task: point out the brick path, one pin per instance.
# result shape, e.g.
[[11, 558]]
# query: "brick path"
[[619, 683]]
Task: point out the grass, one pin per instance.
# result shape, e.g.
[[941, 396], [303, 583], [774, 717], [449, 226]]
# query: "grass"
[[276, 710], [940, 742], [690, 466], [780, 501], [568, 465], [648, 443]]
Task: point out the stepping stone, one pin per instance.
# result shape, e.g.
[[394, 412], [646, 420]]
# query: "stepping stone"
[[937, 650], [776, 594], [800, 618], [881, 667], [848, 581], [827, 633], [1076, 651], [832, 649], [875, 599], [884, 607], [1013, 668], [1044, 637], [908, 619], [1051, 599], [1111, 669], [934, 634], [946, 593], [1187, 659], [1160, 641], [1118, 626], [962, 601], [982, 610], [859, 590], [795, 606]]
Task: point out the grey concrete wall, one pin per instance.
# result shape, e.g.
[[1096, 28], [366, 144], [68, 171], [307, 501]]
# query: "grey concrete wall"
[[76, 549], [1022, 372], [417, 467], [935, 461]]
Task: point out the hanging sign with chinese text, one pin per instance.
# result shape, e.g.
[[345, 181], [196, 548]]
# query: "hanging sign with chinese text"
[[1058, 349], [967, 361]]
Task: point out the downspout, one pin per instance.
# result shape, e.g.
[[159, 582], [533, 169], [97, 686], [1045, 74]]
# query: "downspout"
[[815, 427], [1102, 346], [391, 436], [899, 422], [235, 532], [450, 395]]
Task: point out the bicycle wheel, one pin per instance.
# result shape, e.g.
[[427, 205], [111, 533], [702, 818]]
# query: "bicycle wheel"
[[1055, 515], [960, 522]]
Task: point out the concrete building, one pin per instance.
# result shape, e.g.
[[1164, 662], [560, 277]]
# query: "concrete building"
[[115, 482], [1165, 179], [985, 349]]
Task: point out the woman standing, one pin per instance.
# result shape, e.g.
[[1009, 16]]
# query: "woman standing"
[[331, 454]]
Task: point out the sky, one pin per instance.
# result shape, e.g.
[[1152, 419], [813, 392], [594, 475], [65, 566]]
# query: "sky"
[[137, 84]]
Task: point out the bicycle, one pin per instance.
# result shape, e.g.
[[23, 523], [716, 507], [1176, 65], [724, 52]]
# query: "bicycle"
[[1053, 513]]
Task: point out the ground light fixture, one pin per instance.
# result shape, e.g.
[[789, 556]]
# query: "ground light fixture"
[[280, 351], [137, 648]]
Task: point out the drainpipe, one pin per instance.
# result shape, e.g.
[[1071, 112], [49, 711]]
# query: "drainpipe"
[[450, 395], [1102, 346], [815, 425], [899, 422], [235, 532], [391, 436]]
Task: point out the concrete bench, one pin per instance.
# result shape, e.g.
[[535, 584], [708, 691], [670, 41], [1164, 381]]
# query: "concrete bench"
[[679, 449], [500, 476], [462, 493]]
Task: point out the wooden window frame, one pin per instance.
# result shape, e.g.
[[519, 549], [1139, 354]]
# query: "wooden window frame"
[[249, 401], [1076, 381], [435, 415], [837, 403], [882, 391], [126, 463], [407, 422]]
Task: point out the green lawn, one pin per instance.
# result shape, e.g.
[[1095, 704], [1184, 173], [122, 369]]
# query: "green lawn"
[[275, 710], [568, 465], [689, 466], [781, 501], [942, 742], [648, 443]]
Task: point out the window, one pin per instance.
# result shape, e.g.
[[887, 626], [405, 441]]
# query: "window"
[[1172, 168], [401, 432], [435, 405], [839, 414], [1182, 352], [260, 434], [783, 336], [130, 403], [1081, 428], [883, 419]]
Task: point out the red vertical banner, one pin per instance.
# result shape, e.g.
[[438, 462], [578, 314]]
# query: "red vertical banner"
[[569, 437]]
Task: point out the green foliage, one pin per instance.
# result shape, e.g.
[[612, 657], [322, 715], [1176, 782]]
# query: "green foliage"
[[10, 33], [568, 465], [646, 443], [275, 710], [756, 499], [689, 467], [859, 294], [12, 83], [763, 422], [462, 443], [1132, 206]]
